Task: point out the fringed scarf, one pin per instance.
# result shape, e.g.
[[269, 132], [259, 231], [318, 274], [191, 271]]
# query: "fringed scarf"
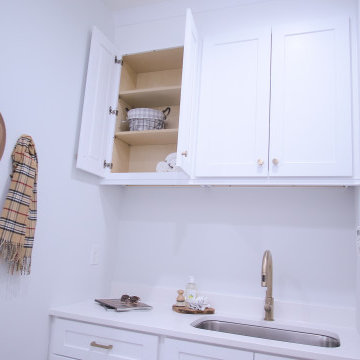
[[18, 217]]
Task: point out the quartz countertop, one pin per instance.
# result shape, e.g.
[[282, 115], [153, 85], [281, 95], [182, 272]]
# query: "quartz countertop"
[[161, 320]]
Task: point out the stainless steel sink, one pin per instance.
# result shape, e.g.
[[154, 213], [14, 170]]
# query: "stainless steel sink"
[[291, 335]]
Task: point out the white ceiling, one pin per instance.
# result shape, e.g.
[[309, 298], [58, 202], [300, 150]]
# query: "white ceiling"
[[117, 5]]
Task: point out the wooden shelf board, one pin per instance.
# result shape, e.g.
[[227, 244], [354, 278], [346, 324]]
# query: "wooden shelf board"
[[160, 96], [148, 137], [156, 60]]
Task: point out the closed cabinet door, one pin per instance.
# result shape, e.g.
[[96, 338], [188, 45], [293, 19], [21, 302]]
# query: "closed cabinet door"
[[310, 122], [233, 127], [186, 350], [270, 357]]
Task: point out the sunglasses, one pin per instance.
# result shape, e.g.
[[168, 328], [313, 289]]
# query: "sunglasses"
[[129, 299]]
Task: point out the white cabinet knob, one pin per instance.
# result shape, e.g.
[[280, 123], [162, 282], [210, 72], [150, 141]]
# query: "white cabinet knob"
[[260, 162], [184, 153], [275, 161]]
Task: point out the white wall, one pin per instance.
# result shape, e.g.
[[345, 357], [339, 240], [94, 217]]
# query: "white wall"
[[162, 25], [219, 235], [44, 51]]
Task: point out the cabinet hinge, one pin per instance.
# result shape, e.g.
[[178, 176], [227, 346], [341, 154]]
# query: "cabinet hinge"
[[118, 61], [113, 111], [107, 165]]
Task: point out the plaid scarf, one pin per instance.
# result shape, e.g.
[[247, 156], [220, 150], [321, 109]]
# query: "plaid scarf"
[[18, 218]]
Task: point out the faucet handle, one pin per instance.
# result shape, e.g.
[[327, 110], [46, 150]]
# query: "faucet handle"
[[269, 309]]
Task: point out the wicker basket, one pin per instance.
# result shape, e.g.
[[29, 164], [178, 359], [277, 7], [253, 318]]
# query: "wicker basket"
[[147, 119]]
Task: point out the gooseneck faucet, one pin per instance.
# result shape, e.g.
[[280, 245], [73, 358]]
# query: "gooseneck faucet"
[[266, 281]]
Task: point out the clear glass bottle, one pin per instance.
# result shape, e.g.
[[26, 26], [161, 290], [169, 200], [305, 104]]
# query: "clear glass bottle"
[[191, 291]]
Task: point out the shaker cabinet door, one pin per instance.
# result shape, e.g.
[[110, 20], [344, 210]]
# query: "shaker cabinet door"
[[311, 120], [100, 93], [186, 350], [234, 105], [189, 94], [271, 357]]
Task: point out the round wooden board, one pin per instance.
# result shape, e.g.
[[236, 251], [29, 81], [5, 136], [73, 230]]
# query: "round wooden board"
[[186, 310], [2, 136]]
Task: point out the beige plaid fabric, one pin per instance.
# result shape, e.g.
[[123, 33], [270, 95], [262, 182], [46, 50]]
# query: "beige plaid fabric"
[[18, 217]]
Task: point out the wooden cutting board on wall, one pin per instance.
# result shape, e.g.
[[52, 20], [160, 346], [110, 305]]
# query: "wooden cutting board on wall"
[[2, 136]]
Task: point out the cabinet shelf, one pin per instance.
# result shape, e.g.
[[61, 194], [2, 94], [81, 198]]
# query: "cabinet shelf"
[[152, 97], [148, 137]]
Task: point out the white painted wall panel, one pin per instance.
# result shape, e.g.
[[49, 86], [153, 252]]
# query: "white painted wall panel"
[[219, 236], [44, 47]]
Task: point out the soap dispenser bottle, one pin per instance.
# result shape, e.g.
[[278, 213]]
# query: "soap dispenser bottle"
[[191, 292]]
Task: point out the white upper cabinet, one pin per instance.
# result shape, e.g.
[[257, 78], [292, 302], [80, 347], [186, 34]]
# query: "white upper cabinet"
[[151, 79], [101, 80], [233, 128], [189, 93], [302, 129], [256, 105], [310, 122]]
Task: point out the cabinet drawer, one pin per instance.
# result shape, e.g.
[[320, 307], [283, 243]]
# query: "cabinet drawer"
[[94, 342], [59, 357], [271, 357], [187, 350]]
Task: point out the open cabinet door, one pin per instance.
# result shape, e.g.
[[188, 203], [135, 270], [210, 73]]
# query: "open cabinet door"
[[189, 93], [101, 91]]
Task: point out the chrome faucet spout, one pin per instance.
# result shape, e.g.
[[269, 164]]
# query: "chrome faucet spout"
[[266, 281]]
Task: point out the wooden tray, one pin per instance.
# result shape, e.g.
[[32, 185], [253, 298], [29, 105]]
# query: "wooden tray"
[[119, 305], [186, 310]]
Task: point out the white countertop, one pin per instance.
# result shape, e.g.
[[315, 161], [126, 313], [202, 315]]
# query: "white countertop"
[[161, 320]]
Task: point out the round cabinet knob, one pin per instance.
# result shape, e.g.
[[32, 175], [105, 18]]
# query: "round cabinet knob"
[[275, 161], [260, 162], [184, 153]]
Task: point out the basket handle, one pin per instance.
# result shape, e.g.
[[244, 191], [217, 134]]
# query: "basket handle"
[[166, 112]]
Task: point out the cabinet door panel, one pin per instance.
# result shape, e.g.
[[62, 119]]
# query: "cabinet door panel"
[[270, 357], [59, 357], [189, 93], [102, 85], [234, 105], [186, 350], [310, 124], [94, 342]]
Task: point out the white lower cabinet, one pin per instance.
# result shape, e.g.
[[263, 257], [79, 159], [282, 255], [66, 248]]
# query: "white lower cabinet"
[[76, 340], [186, 350], [270, 357], [83, 341], [59, 357]]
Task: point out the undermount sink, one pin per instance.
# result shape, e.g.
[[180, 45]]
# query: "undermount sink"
[[292, 335]]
